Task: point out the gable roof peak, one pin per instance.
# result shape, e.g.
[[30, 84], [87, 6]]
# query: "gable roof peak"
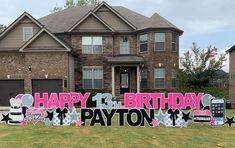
[[86, 16], [68, 49], [24, 14], [155, 15], [116, 13]]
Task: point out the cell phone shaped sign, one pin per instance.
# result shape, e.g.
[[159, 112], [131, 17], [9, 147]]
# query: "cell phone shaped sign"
[[218, 111]]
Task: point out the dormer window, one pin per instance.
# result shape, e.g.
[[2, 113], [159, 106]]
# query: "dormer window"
[[27, 33]]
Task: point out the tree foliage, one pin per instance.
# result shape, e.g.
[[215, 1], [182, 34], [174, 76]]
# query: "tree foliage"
[[199, 66], [74, 3], [2, 28]]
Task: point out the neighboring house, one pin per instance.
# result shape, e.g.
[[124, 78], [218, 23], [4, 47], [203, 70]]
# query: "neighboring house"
[[231, 52], [220, 80], [103, 48]]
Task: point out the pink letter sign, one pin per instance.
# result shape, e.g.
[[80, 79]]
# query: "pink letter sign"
[[60, 100], [174, 100]]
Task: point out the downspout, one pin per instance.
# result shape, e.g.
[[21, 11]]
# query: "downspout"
[[113, 44], [68, 77]]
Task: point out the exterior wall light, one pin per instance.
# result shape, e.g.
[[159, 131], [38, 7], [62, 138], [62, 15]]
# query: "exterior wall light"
[[8, 76], [46, 76], [30, 69]]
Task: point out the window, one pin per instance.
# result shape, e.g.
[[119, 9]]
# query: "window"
[[143, 42], [92, 78], [174, 42], [159, 76], [124, 45], [27, 33], [159, 41], [91, 45], [144, 75], [173, 77]]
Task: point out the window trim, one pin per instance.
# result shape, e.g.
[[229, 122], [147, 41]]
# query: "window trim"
[[92, 68], [120, 45], [176, 43], [164, 77], [147, 42], [31, 31], [92, 45], [155, 42]]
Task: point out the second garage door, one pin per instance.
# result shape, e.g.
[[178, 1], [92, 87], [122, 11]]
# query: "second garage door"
[[47, 85]]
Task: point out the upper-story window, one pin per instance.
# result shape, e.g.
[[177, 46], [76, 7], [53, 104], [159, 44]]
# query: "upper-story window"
[[174, 42], [124, 45], [92, 45], [27, 33], [143, 42], [159, 41], [159, 76]]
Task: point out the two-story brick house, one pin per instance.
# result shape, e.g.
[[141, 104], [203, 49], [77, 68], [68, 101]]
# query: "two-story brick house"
[[112, 49]]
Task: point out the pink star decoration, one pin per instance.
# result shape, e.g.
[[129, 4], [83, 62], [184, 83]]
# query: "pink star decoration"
[[79, 122], [212, 121], [24, 122], [154, 123]]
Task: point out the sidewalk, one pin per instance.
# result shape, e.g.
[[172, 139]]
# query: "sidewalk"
[[4, 108]]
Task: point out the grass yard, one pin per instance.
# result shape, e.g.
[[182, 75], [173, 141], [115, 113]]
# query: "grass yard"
[[196, 135]]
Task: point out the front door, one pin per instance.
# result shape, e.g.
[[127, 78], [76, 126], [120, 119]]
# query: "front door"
[[124, 83]]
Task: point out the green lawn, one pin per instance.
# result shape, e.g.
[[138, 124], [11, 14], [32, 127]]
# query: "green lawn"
[[196, 135]]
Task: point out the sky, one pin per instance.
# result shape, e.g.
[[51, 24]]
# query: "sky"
[[206, 22]]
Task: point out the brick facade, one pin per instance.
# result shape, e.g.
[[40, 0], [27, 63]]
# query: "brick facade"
[[111, 45], [16, 65]]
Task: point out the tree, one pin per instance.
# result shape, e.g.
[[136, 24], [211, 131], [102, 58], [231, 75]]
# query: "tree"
[[74, 3], [57, 8], [199, 66], [2, 28]]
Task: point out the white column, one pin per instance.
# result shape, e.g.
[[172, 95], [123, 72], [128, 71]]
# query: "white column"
[[113, 80], [138, 78]]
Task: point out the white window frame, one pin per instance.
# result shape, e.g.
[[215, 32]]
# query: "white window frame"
[[159, 42], [140, 43], [93, 68], [92, 45], [159, 78], [24, 31]]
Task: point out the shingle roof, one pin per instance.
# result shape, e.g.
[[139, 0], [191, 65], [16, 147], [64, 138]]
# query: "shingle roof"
[[157, 21], [62, 21], [231, 49]]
